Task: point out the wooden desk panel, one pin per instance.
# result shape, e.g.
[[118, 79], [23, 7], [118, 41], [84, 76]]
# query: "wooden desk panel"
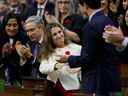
[[31, 87], [14, 91]]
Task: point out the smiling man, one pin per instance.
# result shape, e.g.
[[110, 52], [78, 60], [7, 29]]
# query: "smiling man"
[[35, 31]]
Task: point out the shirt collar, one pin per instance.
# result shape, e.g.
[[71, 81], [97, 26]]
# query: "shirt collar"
[[95, 11], [41, 6], [41, 40], [13, 8]]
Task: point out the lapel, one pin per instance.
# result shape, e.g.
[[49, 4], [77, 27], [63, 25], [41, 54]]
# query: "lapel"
[[96, 15]]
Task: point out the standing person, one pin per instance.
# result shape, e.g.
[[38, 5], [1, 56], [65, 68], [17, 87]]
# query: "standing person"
[[35, 31], [39, 7], [3, 10], [122, 59], [65, 79], [99, 73], [11, 32], [118, 36], [112, 13], [124, 25], [28, 54], [22, 9], [65, 12]]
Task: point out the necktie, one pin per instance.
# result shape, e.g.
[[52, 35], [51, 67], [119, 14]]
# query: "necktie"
[[35, 49], [14, 10], [40, 11]]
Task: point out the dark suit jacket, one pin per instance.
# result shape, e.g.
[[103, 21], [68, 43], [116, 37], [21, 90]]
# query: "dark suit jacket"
[[48, 7], [11, 61], [123, 55], [31, 64], [24, 11], [99, 73]]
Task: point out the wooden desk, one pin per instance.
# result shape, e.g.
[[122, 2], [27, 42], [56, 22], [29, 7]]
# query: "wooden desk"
[[16, 91], [31, 87], [124, 85], [39, 86]]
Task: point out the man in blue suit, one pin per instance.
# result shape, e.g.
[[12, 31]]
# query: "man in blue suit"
[[99, 73]]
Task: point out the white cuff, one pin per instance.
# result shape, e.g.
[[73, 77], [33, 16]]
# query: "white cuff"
[[22, 61], [124, 44]]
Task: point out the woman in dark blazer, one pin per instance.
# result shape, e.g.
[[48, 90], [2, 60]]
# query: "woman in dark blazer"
[[11, 31]]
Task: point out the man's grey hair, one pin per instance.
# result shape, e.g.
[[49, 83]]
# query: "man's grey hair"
[[35, 19]]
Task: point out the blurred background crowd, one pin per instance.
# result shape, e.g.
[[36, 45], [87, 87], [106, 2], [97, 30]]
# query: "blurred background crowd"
[[29, 40]]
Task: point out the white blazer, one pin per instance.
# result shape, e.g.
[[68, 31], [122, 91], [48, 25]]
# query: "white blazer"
[[69, 77]]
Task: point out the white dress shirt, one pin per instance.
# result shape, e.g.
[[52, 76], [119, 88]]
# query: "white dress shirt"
[[66, 75], [124, 45], [41, 6], [42, 11]]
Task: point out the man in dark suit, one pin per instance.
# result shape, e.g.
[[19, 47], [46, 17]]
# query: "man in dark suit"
[[20, 8], [29, 62], [39, 7], [99, 73]]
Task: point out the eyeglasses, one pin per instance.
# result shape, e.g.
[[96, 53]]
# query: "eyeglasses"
[[63, 2]]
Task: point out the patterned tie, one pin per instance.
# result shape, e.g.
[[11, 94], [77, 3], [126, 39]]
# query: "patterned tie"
[[40, 11]]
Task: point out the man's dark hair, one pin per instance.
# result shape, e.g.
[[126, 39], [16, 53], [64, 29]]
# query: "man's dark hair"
[[93, 4]]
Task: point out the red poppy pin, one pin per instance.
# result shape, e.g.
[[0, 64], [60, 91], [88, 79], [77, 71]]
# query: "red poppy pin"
[[67, 53]]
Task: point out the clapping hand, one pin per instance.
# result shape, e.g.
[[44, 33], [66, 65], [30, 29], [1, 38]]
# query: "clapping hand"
[[7, 49], [22, 50], [113, 35]]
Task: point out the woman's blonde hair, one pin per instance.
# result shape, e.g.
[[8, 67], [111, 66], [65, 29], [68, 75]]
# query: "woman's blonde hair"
[[71, 11], [48, 46]]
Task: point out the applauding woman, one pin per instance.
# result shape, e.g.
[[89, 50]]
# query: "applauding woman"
[[64, 78], [11, 32]]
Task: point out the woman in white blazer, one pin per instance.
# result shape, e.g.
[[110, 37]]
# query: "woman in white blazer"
[[59, 73]]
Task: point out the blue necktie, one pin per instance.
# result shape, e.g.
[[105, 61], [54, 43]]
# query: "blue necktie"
[[35, 49]]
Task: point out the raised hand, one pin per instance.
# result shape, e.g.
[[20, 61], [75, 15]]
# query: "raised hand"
[[7, 49], [23, 50], [113, 35]]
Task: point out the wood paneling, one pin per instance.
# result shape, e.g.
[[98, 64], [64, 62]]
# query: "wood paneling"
[[31, 87]]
